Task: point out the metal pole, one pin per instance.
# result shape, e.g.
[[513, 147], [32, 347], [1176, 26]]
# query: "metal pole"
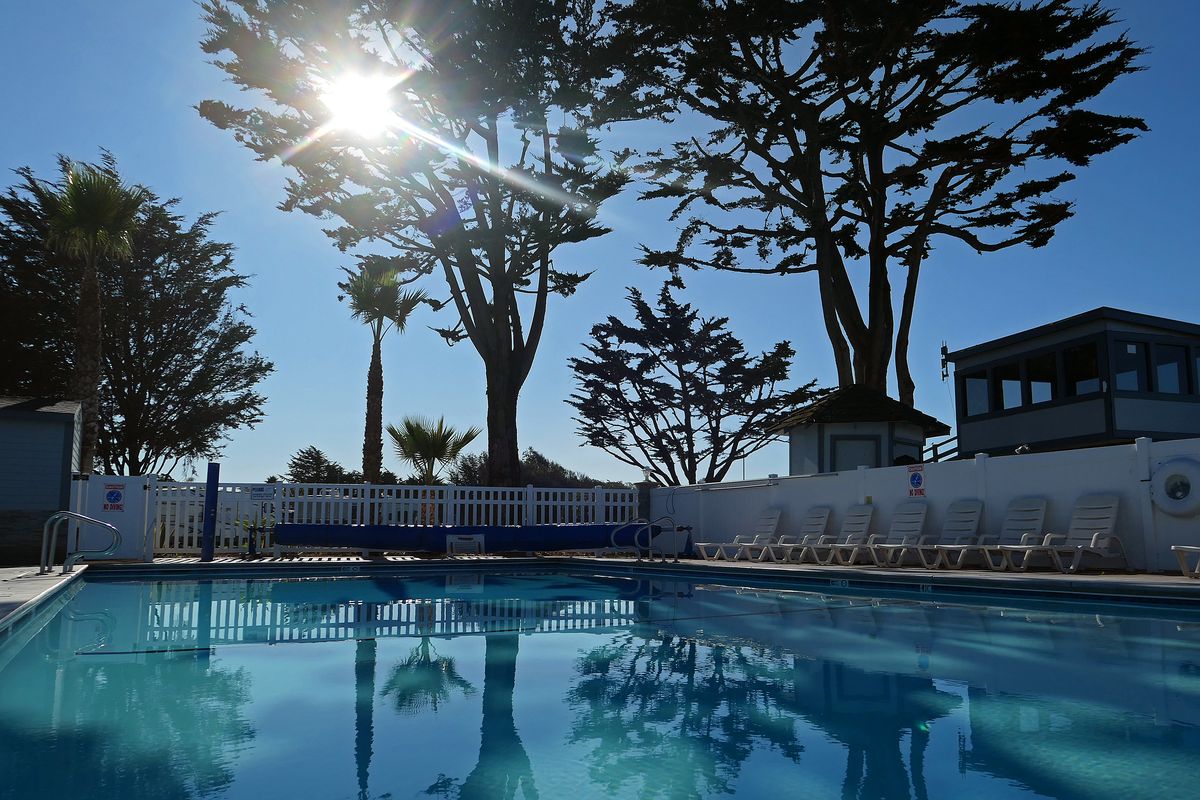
[[208, 542]]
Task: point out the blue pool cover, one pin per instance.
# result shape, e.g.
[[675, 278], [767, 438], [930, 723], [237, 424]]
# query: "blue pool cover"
[[431, 538]]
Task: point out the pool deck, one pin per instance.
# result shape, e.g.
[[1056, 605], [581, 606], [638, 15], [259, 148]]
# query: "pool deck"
[[22, 589]]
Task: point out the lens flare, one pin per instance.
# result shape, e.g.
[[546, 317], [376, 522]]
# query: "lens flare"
[[361, 104]]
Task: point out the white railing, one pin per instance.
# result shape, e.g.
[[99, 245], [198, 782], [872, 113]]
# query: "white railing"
[[246, 510]]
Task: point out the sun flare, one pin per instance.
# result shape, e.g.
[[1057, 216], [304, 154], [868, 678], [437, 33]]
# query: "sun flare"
[[361, 104]]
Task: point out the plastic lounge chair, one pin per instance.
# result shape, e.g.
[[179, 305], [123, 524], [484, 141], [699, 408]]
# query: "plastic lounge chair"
[[1089, 534], [961, 526], [1182, 552], [1023, 522], [722, 551], [754, 550], [812, 530], [906, 532], [851, 539]]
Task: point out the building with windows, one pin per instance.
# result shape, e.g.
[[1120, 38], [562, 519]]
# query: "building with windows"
[[1106, 376], [856, 427]]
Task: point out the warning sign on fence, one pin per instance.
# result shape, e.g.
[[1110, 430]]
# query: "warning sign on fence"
[[114, 497], [916, 480]]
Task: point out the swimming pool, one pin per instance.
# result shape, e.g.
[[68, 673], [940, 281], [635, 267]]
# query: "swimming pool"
[[549, 684]]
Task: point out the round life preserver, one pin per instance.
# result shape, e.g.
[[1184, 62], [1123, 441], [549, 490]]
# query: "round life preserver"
[[1175, 487]]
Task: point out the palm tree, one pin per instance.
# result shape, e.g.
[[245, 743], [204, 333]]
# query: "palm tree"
[[91, 218], [425, 445], [376, 298]]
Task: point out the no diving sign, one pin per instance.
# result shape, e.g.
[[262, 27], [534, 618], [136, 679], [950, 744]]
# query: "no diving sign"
[[916, 480], [114, 497]]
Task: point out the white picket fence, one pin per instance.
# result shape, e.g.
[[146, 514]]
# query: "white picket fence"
[[246, 510]]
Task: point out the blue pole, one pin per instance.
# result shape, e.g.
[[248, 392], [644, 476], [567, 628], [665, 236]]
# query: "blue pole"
[[208, 542]]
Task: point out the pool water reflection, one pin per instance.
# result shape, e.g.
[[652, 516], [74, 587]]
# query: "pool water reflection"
[[472, 685]]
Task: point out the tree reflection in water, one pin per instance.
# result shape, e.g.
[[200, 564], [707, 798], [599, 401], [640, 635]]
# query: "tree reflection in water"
[[179, 727], [424, 680], [679, 717], [503, 768]]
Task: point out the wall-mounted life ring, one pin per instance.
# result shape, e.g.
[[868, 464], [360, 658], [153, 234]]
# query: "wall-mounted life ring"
[[1175, 487]]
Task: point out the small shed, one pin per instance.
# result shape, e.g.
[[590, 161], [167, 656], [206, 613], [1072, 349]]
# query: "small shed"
[[1103, 377], [856, 426], [39, 449]]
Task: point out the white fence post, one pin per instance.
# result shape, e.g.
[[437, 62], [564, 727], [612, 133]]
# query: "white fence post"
[[598, 505], [530, 513]]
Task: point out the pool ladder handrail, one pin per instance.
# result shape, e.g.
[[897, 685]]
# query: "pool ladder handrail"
[[50, 540], [647, 526]]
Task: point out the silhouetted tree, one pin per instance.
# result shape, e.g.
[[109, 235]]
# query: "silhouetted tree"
[[536, 470], [858, 133], [378, 300], [90, 217], [466, 175], [177, 372], [429, 446], [678, 394]]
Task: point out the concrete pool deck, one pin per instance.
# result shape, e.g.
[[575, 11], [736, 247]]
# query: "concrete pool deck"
[[21, 587]]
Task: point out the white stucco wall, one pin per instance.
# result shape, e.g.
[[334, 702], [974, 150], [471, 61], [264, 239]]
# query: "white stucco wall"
[[718, 512]]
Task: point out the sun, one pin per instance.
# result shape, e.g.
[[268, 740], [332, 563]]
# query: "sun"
[[361, 104]]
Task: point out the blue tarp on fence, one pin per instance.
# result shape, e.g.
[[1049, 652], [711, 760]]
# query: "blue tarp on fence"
[[432, 539]]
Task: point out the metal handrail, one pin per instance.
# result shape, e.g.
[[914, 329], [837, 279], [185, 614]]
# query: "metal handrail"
[[50, 540], [647, 526]]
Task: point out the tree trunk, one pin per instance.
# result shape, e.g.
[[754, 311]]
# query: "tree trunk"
[[89, 328], [372, 453], [504, 459], [904, 380]]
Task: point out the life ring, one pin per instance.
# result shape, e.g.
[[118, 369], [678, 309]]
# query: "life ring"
[[1175, 487]]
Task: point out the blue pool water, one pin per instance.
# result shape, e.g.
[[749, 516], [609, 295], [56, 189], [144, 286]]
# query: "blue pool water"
[[472, 685]]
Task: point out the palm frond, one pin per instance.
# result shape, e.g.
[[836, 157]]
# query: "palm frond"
[[93, 216], [425, 444]]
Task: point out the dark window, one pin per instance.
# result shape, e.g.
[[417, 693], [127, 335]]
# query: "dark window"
[[1170, 368], [1043, 378], [1081, 366], [1006, 386], [976, 388], [1131, 367]]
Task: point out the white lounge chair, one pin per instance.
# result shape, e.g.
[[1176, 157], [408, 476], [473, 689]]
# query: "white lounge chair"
[[960, 526], [1023, 523], [851, 539], [1089, 534], [812, 529], [906, 531], [1182, 552], [727, 551]]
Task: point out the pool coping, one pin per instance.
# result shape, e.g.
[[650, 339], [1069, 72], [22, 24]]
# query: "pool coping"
[[1145, 587], [1141, 589], [11, 622]]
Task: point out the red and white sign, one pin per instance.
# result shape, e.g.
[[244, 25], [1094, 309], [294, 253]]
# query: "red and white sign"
[[916, 480]]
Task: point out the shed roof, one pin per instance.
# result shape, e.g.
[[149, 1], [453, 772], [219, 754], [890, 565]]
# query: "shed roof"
[[860, 404], [1104, 313], [45, 405]]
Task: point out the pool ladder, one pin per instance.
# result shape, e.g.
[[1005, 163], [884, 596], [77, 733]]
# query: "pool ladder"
[[50, 540], [647, 526]]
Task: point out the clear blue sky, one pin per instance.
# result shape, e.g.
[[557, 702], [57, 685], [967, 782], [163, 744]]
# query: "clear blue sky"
[[125, 75]]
